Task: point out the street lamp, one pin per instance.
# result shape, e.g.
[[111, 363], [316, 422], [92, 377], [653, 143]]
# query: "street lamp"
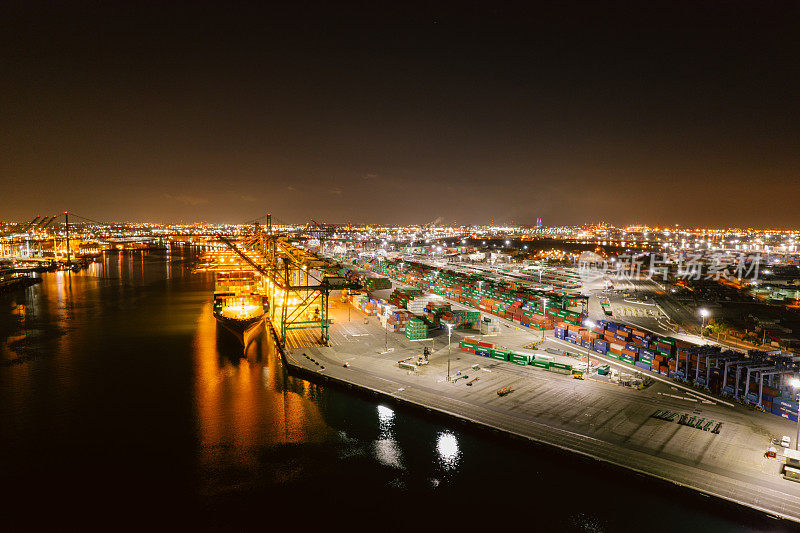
[[795, 384], [544, 311], [589, 324], [703, 313], [449, 331]]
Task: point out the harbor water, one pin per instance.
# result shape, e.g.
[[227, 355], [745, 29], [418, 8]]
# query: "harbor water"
[[123, 406]]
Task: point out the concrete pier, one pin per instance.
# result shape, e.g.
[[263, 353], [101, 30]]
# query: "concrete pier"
[[592, 417]]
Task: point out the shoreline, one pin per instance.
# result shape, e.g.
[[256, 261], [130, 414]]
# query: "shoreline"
[[557, 439]]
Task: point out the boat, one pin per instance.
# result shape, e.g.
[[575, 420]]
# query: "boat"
[[11, 280], [239, 305]]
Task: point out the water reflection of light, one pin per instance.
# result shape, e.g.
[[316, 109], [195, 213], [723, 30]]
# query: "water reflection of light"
[[386, 449], [385, 415], [239, 403], [388, 453], [385, 419], [447, 446]]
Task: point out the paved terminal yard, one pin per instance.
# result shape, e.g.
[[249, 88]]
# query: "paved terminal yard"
[[593, 417]]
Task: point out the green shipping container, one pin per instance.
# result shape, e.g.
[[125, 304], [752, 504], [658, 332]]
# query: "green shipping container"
[[541, 364], [520, 359]]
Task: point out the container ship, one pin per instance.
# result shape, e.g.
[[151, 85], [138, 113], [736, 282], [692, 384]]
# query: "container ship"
[[240, 306], [12, 280]]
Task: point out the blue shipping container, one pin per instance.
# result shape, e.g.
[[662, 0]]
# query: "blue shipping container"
[[790, 416], [787, 404]]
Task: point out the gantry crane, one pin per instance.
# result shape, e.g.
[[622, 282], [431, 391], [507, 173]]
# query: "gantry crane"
[[294, 279]]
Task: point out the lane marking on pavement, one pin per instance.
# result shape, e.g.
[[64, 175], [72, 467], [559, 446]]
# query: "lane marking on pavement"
[[699, 397], [694, 400]]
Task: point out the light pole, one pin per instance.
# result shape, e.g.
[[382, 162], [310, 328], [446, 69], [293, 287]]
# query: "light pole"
[[795, 383], [66, 218], [544, 311], [589, 324], [449, 331], [703, 313]]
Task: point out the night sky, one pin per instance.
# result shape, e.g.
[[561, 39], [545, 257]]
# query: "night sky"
[[659, 113]]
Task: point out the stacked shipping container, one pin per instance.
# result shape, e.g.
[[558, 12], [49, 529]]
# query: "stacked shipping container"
[[508, 300]]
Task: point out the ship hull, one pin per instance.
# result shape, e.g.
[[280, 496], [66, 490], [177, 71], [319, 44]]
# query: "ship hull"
[[244, 330]]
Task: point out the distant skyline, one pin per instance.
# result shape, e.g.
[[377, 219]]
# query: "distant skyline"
[[76, 220], [656, 113]]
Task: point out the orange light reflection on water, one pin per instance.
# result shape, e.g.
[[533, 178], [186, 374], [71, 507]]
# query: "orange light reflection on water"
[[247, 405]]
